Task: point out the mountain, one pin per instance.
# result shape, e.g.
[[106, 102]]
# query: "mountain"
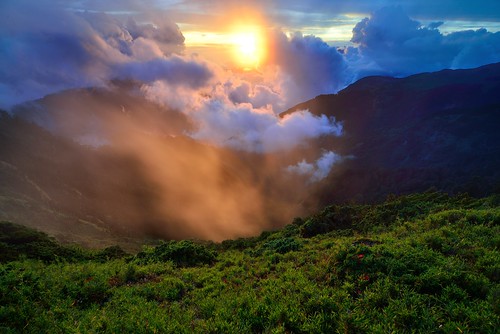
[[47, 183], [97, 196], [100, 167], [409, 134]]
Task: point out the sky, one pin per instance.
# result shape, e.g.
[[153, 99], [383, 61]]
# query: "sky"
[[233, 66]]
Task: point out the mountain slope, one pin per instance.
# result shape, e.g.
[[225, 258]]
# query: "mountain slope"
[[47, 183], [424, 263], [428, 130]]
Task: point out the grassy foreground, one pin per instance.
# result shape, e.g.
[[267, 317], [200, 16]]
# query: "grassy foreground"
[[424, 263]]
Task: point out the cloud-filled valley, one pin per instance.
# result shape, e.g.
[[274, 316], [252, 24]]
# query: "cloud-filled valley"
[[210, 140]]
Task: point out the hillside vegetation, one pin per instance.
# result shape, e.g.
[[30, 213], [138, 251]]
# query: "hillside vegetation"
[[422, 263]]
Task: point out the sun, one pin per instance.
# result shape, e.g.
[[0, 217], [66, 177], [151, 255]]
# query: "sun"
[[249, 47], [247, 44]]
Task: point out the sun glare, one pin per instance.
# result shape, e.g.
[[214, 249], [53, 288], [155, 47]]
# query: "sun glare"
[[249, 48]]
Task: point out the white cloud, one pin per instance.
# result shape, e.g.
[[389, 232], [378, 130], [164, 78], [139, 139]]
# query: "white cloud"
[[318, 170], [394, 44]]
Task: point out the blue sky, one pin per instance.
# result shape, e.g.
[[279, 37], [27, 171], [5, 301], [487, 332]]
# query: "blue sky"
[[298, 14]]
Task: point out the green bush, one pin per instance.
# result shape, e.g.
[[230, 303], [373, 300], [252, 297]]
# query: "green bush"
[[17, 241], [332, 218], [282, 245], [110, 253], [183, 253]]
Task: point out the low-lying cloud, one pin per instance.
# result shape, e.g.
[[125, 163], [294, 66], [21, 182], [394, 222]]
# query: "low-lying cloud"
[[318, 170]]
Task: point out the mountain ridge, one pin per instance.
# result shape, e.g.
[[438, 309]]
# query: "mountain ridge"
[[441, 124]]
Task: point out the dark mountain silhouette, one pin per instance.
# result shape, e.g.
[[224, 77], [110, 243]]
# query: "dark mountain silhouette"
[[437, 130]]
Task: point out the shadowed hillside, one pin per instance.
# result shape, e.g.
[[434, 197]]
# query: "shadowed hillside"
[[428, 130]]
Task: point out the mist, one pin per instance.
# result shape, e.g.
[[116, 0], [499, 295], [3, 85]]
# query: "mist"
[[141, 169]]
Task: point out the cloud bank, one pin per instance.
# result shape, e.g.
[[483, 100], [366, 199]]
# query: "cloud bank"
[[388, 43], [46, 48], [391, 43], [310, 66], [92, 49]]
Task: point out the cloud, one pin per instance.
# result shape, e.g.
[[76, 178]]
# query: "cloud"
[[260, 130], [392, 43], [317, 170], [462, 9], [312, 66], [46, 48], [297, 15], [259, 96], [242, 117], [164, 30], [474, 48], [388, 42], [175, 70]]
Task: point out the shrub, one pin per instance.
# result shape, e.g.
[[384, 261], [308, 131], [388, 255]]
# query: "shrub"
[[110, 253], [332, 218], [17, 241], [283, 245], [183, 253]]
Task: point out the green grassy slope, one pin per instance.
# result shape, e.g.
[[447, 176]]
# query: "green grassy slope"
[[424, 263]]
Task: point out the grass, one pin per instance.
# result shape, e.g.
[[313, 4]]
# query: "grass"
[[424, 263]]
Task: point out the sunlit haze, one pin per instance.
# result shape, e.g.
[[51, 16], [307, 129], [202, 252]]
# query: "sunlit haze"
[[249, 48]]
